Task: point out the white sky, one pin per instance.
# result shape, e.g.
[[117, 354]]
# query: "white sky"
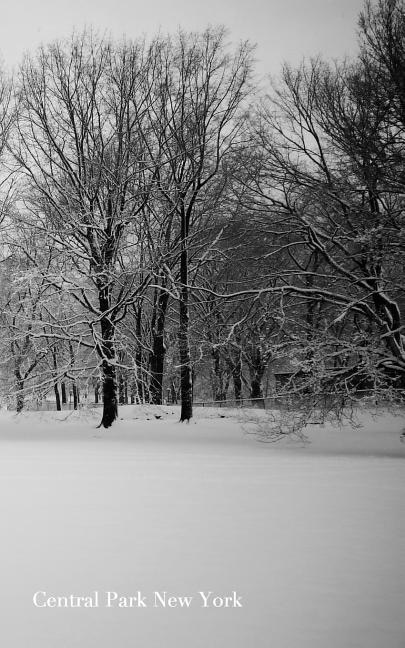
[[282, 29]]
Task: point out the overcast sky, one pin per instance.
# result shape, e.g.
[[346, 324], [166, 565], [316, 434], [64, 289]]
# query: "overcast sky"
[[282, 29]]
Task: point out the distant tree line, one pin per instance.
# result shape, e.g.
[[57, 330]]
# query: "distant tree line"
[[165, 223]]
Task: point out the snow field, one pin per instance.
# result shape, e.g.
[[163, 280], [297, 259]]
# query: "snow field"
[[311, 537]]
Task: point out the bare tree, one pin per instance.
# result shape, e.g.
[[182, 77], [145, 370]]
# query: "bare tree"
[[80, 115], [325, 183], [199, 95]]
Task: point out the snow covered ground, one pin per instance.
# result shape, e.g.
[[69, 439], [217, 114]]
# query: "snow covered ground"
[[311, 537]]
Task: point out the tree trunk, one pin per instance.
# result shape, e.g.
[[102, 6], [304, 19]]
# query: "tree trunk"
[[186, 384], [63, 391], [74, 385], [75, 395], [57, 397], [55, 380], [220, 377], [173, 393], [139, 360], [237, 378], [257, 370], [256, 387], [20, 394], [110, 401], [158, 348], [122, 389], [122, 380]]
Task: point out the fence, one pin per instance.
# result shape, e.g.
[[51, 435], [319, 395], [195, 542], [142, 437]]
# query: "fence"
[[281, 401], [50, 406], [233, 402], [297, 400]]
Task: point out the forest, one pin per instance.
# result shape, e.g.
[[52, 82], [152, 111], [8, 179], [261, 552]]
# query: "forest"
[[173, 229]]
